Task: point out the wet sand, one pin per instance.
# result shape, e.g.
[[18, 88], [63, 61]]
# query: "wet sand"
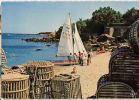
[[89, 75]]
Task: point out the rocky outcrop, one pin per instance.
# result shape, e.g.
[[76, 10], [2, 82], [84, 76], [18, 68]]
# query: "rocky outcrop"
[[48, 38]]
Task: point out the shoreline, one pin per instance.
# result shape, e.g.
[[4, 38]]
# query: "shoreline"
[[89, 75]]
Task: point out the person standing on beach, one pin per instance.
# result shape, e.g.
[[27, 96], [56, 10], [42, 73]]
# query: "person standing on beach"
[[89, 59], [84, 58], [70, 58], [79, 57]]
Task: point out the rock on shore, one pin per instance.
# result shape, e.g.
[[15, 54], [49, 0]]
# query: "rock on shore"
[[44, 39]]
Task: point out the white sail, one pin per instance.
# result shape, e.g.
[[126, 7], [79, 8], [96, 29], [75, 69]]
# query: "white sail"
[[78, 44], [66, 41], [76, 47]]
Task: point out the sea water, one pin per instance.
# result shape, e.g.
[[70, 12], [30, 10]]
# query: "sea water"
[[19, 51]]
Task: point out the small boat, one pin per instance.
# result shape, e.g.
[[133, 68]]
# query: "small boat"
[[65, 62], [61, 63], [70, 43], [100, 52], [38, 49]]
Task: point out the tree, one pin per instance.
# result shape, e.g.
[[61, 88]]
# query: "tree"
[[81, 25], [119, 17], [106, 16], [100, 18], [131, 16], [95, 27]]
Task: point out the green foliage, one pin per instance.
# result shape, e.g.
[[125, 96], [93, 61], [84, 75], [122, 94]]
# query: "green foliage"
[[44, 33], [95, 27], [106, 15], [100, 18], [85, 36], [81, 25], [131, 16], [119, 17]]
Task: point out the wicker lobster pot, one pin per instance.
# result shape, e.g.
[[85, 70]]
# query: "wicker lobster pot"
[[41, 73], [102, 80], [15, 86], [3, 57], [124, 65], [115, 90], [134, 36], [66, 87]]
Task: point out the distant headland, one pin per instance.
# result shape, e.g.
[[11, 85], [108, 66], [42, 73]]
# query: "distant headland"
[[48, 37]]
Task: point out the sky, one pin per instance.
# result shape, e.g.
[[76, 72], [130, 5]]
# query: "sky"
[[35, 17]]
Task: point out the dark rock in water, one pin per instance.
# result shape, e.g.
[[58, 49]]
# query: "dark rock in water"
[[48, 45], [43, 39], [38, 49]]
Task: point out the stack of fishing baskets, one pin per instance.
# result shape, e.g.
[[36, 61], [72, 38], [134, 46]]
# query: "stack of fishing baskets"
[[40, 74], [122, 81], [66, 86]]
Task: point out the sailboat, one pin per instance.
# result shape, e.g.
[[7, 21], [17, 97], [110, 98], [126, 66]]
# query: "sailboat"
[[70, 43], [78, 44], [65, 46]]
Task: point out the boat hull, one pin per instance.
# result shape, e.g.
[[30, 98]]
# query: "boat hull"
[[65, 62]]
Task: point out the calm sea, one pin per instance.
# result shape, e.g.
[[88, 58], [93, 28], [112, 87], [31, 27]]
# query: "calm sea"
[[19, 51]]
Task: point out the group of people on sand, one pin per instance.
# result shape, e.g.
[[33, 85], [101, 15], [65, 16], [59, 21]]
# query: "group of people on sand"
[[81, 58], [85, 59]]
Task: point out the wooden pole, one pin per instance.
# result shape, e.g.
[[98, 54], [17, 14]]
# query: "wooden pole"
[[73, 47], [8, 87]]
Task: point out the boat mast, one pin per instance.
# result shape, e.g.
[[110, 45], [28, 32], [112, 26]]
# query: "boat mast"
[[72, 38], [73, 44]]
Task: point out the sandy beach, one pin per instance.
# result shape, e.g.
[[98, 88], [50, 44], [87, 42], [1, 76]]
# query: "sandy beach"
[[89, 75]]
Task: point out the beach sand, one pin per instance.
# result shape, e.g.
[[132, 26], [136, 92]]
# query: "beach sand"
[[89, 75]]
